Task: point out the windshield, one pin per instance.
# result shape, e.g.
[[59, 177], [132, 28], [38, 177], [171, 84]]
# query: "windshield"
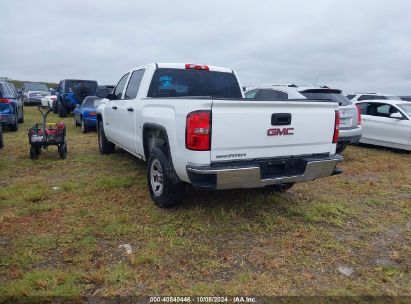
[[183, 83], [90, 85], [91, 102], [334, 95], [34, 86], [406, 108]]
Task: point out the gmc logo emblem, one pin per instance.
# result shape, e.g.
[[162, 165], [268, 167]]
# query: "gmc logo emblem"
[[280, 131]]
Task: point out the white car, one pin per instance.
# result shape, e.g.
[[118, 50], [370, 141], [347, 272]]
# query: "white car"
[[192, 124], [350, 124], [48, 100], [371, 96], [386, 123]]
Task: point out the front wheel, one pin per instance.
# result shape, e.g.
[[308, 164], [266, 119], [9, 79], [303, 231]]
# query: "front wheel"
[[104, 146], [166, 189]]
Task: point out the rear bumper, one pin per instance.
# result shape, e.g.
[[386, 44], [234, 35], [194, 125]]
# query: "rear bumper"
[[7, 119], [350, 135], [90, 121], [261, 173]]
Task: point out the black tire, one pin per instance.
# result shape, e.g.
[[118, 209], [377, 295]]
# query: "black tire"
[[341, 147], [166, 189], [62, 111], [21, 120], [33, 153], [54, 107], [1, 137], [63, 151], [105, 146], [15, 126], [75, 121], [84, 128], [282, 187]]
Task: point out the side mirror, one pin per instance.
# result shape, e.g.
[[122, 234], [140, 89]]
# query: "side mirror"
[[111, 96], [396, 115]]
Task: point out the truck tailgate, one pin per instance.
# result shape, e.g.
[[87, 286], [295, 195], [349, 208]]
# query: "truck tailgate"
[[250, 129]]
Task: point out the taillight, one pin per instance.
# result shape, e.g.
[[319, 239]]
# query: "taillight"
[[359, 114], [54, 98], [190, 66], [4, 100], [198, 131], [336, 127], [92, 114]]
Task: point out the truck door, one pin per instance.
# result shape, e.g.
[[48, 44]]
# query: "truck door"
[[111, 121], [128, 113]]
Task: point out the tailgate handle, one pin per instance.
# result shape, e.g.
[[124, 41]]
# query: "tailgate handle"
[[281, 119]]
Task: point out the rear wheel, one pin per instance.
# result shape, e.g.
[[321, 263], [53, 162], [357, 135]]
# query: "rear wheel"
[[1, 137], [105, 146], [33, 153], [63, 151], [62, 110], [84, 127], [341, 147], [15, 125], [54, 107], [21, 120], [166, 189]]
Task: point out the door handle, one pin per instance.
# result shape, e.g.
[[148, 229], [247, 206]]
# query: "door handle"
[[114, 108], [130, 109]]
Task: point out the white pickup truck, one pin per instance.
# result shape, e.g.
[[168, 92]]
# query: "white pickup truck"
[[192, 124]]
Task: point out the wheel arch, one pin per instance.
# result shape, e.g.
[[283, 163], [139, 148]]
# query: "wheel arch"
[[155, 135]]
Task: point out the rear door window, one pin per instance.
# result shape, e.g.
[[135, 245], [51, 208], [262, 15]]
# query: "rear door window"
[[268, 94], [363, 107], [134, 84]]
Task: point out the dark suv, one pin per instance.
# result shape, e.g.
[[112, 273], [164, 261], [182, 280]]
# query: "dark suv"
[[71, 92]]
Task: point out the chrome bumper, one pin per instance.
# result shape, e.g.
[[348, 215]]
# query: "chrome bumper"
[[250, 176]]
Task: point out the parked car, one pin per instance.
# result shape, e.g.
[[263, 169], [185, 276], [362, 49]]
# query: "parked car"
[[33, 92], [11, 108], [386, 123], [104, 90], [192, 124], [48, 100], [350, 124], [85, 114], [370, 96], [405, 98], [71, 92]]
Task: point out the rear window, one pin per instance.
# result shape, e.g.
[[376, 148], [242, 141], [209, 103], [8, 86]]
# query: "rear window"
[[193, 83], [334, 95], [35, 86], [91, 102], [73, 84]]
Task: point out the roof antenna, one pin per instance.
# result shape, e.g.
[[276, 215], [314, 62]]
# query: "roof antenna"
[[316, 79]]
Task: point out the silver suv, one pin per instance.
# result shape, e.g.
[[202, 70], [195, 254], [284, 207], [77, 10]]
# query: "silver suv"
[[350, 117]]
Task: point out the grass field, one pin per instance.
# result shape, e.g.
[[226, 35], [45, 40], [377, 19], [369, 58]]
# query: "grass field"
[[62, 224]]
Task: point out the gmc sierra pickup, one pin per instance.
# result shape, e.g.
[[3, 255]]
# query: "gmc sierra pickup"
[[192, 124]]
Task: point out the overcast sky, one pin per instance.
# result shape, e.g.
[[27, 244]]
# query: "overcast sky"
[[354, 45]]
